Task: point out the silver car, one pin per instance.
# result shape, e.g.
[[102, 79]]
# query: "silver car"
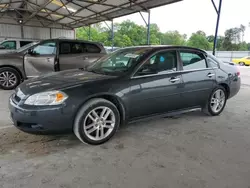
[[45, 57]]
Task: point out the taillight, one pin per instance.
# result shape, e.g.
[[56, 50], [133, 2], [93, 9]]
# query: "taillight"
[[238, 73]]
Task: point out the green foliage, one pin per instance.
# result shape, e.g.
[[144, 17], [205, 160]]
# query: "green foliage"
[[128, 33], [173, 38], [199, 40]]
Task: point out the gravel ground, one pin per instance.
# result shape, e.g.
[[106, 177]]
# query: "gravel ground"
[[191, 150]]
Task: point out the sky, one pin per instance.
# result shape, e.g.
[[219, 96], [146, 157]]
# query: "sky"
[[189, 16]]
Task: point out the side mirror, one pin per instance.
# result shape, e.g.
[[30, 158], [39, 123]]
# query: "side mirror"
[[30, 51]]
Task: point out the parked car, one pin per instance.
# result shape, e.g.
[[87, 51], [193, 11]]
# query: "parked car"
[[11, 67], [152, 82], [245, 61], [10, 45], [45, 57]]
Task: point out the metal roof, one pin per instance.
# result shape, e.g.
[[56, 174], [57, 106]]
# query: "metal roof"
[[72, 13]]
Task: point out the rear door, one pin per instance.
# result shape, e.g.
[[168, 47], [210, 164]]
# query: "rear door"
[[74, 55], [41, 59], [199, 79]]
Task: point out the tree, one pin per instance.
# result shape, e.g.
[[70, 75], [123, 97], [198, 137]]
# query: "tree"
[[129, 33], [199, 40], [173, 38]]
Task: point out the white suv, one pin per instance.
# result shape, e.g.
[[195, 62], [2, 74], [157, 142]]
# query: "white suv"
[[9, 45]]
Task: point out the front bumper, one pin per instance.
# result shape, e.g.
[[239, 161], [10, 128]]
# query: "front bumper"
[[41, 120]]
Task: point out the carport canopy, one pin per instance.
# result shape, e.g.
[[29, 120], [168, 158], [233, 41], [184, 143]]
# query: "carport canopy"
[[72, 13]]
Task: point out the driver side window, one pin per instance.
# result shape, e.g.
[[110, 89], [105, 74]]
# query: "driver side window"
[[160, 63]]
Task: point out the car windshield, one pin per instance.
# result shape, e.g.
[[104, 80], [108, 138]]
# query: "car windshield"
[[25, 47], [118, 62]]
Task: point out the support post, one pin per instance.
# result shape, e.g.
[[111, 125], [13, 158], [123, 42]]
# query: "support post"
[[22, 33], [112, 34], [148, 26], [50, 33], [218, 11], [89, 32], [148, 29]]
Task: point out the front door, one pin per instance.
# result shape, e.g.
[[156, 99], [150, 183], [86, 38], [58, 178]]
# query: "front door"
[[40, 60], [155, 87], [198, 78]]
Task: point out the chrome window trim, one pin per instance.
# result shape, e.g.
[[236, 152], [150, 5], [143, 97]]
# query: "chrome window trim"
[[181, 71]]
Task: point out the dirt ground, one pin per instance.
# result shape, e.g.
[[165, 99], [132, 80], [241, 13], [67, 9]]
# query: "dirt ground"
[[190, 151]]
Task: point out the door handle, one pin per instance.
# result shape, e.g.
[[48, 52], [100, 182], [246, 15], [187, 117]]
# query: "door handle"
[[174, 79], [85, 58], [210, 75]]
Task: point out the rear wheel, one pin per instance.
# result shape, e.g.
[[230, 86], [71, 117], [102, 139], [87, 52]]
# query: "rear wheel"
[[97, 121], [216, 102], [241, 63], [9, 78]]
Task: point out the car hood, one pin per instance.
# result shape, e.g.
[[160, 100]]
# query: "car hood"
[[60, 80]]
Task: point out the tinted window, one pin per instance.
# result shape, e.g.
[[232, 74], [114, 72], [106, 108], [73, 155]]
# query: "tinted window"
[[23, 43], [71, 48], [162, 62], [47, 48], [65, 48], [193, 60], [76, 48], [91, 48], [9, 45]]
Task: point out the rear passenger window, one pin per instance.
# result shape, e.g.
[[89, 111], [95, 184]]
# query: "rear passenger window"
[[91, 48], [71, 48], [65, 48], [23, 43], [76, 48], [192, 60]]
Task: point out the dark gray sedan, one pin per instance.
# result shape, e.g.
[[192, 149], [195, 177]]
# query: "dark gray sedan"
[[125, 86]]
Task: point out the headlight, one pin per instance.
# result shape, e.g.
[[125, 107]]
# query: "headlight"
[[46, 98]]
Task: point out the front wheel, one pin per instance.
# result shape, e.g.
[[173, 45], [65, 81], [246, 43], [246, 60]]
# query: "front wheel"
[[216, 102], [97, 121], [9, 78]]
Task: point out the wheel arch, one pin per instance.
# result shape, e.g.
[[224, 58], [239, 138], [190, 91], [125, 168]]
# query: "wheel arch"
[[226, 87], [15, 68], [112, 98]]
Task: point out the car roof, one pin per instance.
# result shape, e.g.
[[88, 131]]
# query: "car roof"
[[159, 47], [71, 40]]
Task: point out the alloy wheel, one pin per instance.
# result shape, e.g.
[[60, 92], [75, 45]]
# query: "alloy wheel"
[[99, 123], [218, 100], [8, 79]]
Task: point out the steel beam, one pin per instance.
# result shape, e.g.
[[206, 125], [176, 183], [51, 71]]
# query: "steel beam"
[[218, 11], [112, 34], [147, 23], [38, 10]]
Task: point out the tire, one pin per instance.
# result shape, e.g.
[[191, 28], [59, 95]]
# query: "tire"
[[242, 64], [84, 124], [208, 109], [9, 78]]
